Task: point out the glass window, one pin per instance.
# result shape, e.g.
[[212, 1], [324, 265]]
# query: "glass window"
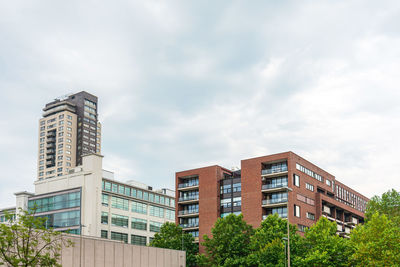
[[62, 201], [119, 220], [296, 180], [138, 240], [170, 214], [310, 216], [237, 187], [104, 234], [157, 199], [62, 219], [104, 200], [107, 186], [145, 196], [127, 191], [133, 192], [119, 236], [297, 211], [161, 200], [104, 217], [114, 188], [156, 211], [139, 194], [167, 201], [121, 189], [119, 203], [140, 224], [139, 207], [155, 226]]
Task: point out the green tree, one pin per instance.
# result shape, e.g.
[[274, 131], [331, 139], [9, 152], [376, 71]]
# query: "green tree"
[[25, 241], [322, 247], [229, 244], [376, 243], [267, 243], [171, 236], [388, 204]]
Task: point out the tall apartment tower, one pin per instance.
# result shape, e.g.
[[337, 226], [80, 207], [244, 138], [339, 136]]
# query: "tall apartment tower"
[[284, 183], [68, 129]]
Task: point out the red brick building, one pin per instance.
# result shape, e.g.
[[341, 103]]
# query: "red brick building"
[[283, 183]]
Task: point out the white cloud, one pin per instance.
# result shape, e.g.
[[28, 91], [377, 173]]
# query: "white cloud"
[[183, 85]]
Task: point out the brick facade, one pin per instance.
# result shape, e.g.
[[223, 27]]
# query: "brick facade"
[[257, 195]]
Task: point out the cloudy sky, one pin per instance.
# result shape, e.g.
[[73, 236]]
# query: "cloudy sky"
[[184, 84]]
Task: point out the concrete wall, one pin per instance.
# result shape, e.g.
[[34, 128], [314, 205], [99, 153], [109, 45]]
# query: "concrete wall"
[[96, 252]]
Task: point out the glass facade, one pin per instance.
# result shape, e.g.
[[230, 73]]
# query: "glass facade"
[[137, 193], [62, 201], [62, 219]]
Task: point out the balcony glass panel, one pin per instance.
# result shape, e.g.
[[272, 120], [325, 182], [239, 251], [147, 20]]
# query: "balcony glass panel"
[[189, 183], [275, 168]]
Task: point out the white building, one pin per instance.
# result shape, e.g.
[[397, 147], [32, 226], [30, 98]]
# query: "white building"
[[89, 201]]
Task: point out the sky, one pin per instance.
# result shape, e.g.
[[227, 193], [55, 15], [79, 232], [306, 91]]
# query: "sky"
[[187, 84]]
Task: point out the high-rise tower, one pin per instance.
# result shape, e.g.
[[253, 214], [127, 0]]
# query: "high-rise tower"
[[68, 129]]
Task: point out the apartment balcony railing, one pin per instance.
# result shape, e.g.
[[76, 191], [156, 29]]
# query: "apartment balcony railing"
[[189, 225], [49, 162], [183, 185], [189, 198], [51, 134], [50, 157], [187, 212], [51, 139], [50, 151], [274, 170], [50, 145], [281, 215], [272, 186], [274, 201]]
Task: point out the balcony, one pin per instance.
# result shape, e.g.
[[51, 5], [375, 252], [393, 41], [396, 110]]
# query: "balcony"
[[274, 171], [50, 163], [187, 226], [188, 186], [51, 140], [189, 199], [188, 213], [283, 215], [50, 145], [274, 202], [50, 151], [51, 134], [50, 157], [274, 187]]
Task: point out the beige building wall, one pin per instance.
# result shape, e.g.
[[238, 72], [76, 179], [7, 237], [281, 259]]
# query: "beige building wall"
[[64, 147], [89, 177], [98, 145]]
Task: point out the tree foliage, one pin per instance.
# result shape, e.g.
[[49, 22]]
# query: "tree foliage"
[[388, 204], [322, 246], [171, 236], [24, 241], [376, 243], [267, 244], [229, 244]]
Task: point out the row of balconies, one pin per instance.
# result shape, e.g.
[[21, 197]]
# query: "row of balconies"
[[189, 198], [189, 225], [188, 184]]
